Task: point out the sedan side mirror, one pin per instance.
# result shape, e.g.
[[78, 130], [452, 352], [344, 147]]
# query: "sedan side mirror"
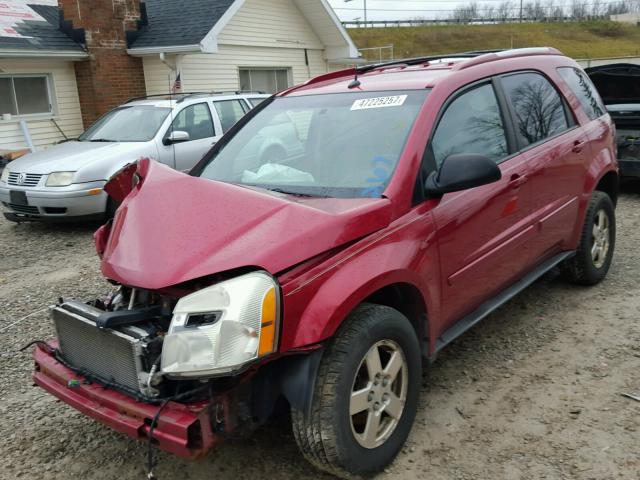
[[177, 136], [461, 172]]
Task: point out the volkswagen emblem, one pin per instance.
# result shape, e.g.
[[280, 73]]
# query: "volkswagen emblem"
[[22, 179]]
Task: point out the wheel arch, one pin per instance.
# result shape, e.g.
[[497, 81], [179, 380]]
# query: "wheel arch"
[[399, 289], [609, 183], [408, 300]]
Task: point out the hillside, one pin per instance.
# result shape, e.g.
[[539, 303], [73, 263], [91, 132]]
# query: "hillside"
[[577, 40]]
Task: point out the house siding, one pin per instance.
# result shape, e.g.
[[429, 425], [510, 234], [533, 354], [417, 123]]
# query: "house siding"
[[269, 23], [66, 105], [220, 71], [263, 33]]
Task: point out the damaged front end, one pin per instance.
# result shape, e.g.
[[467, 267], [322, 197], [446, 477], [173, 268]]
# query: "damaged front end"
[[120, 358], [177, 365]]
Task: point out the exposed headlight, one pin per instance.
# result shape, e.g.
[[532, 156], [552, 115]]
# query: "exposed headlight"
[[221, 328], [60, 179], [5, 175]]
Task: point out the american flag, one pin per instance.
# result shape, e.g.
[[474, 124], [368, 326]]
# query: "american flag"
[[177, 85]]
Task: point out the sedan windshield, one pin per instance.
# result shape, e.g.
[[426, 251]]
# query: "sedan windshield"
[[138, 123], [336, 145]]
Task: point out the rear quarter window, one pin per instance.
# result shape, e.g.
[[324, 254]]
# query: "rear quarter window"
[[584, 90], [537, 106]]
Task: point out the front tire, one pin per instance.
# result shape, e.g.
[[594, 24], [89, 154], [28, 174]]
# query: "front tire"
[[597, 242], [366, 394]]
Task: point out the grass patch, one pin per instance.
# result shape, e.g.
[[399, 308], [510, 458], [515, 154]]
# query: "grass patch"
[[599, 39]]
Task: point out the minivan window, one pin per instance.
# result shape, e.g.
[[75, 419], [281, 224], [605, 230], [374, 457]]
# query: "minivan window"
[[332, 145], [582, 88], [537, 106], [471, 124]]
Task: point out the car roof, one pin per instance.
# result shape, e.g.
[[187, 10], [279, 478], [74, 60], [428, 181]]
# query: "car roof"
[[414, 73], [173, 100]]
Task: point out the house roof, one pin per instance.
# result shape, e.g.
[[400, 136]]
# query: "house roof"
[[36, 31], [175, 23], [194, 25]]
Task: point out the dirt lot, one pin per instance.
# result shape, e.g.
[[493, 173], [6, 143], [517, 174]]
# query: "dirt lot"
[[531, 393]]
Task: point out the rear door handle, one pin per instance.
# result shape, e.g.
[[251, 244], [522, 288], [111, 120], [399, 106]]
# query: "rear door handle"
[[517, 180], [577, 146]]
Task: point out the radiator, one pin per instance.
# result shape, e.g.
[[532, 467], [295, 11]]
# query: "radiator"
[[111, 356]]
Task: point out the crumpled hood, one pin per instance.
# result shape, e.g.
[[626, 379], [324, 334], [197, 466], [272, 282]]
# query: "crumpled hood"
[[173, 228], [72, 156]]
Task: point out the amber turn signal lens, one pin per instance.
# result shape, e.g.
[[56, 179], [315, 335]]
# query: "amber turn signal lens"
[[268, 328], [95, 191]]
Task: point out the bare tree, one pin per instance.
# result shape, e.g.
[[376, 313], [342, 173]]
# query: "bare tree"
[[466, 13], [616, 8], [489, 12], [533, 10], [554, 11], [578, 9], [504, 10]]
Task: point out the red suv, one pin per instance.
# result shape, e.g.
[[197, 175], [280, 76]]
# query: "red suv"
[[343, 231]]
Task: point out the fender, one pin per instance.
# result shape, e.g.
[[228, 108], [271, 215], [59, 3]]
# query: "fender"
[[603, 162], [316, 303]]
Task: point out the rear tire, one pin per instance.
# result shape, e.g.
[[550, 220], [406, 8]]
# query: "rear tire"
[[365, 397], [597, 242]]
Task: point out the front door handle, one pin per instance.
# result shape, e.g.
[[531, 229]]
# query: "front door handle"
[[517, 180]]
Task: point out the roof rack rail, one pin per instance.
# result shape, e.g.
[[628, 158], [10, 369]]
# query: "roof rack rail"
[[419, 60], [182, 96], [491, 56]]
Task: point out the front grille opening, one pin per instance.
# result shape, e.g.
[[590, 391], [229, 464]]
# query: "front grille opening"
[[55, 210], [22, 208]]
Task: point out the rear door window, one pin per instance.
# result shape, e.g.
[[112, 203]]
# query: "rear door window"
[[195, 120], [582, 88], [537, 107], [229, 112], [472, 123]]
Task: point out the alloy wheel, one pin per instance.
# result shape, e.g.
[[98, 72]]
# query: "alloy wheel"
[[379, 394], [600, 239]]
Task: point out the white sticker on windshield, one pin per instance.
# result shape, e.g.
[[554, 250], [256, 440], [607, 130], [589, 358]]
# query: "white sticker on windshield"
[[379, 102]]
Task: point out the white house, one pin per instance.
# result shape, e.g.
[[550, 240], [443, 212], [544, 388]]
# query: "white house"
[[63, 63]]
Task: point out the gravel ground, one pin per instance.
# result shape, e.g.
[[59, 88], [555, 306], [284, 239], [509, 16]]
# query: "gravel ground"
[[533, 392]]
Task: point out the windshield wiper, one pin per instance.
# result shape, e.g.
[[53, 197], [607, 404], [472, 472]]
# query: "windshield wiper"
[[102, 140], [296, 194]]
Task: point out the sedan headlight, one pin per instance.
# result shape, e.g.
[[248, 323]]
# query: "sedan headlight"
[[60, 179], [221, 328], [5, 175]]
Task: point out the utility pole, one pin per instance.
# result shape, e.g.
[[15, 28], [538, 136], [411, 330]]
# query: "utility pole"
[[521, 11], [365, 10]]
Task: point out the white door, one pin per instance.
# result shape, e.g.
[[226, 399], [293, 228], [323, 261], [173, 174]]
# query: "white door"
[[197, 122]]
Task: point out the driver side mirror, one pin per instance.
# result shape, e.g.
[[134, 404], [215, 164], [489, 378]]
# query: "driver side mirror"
[[177, 136], [462, 171]]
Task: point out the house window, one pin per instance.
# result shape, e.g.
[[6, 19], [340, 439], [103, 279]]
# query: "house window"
[[25, 95], [267, 80]]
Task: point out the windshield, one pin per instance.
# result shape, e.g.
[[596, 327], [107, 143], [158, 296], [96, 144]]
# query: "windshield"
[[337, 145], [138, 123]]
